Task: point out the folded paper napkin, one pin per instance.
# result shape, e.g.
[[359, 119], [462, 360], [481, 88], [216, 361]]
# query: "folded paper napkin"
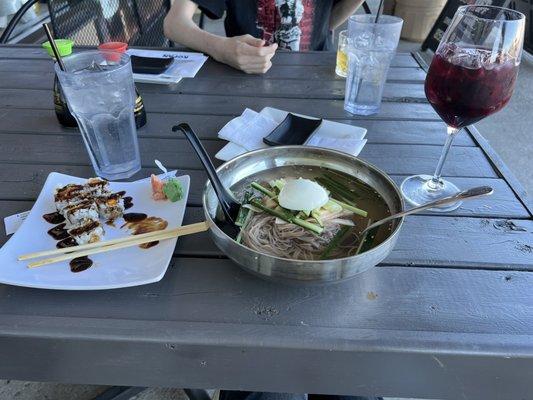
[[246, 132]]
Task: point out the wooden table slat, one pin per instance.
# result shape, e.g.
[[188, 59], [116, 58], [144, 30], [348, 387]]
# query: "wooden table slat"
[[328, 58], [229, 105], [23, 182], [207, 127], [216, 290], [420, 244], [304, 73], [176, 153], [212, 68], [288, 88], [423, 239], [312, 58]]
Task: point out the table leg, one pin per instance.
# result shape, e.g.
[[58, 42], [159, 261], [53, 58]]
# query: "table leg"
[[127, 392], [197, 394], [120, 393]]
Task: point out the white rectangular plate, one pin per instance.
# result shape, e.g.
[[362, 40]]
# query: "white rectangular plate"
[[131, 266]]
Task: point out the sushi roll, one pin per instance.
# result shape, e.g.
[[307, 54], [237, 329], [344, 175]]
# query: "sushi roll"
[[68, 195], [110, 207], [87, 231], [77, 212], [97, 187]]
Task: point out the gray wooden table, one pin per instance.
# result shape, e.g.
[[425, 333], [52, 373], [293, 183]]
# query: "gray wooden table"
[[448, 315]]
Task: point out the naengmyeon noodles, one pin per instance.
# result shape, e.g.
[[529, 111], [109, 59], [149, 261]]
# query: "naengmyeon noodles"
[[330, 231], [286, 240]]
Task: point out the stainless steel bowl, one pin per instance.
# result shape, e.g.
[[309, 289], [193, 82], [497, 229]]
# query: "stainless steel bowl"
[[235, 172]]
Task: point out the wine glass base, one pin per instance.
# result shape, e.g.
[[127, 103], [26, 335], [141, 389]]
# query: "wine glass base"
[[417, 191]]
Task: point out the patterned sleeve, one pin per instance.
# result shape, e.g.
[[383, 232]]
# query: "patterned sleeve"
[[214, 9]]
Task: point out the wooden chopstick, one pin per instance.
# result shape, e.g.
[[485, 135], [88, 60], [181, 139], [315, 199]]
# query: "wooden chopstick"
[[88, 246], [123, 243]]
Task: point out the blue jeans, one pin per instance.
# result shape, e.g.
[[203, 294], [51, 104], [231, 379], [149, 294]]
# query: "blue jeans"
[[237, 395]]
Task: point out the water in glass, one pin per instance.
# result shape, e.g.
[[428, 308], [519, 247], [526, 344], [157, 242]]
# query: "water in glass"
[[371, 47], [100, 94]]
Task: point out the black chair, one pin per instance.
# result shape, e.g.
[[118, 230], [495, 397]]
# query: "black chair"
[[15, 20], [91, 22], [432, 41]]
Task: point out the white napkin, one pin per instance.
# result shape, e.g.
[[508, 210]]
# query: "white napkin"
[[350, 146], [246, 132]]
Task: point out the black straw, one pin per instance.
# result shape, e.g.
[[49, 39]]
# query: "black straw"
[[54, 47], [379, 11]]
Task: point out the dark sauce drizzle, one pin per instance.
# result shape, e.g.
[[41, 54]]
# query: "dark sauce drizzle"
[[134, 217], [53, 218], [140, 223], [68, 242], [80, 264], [128, 202], [149, 244], [58, 232]]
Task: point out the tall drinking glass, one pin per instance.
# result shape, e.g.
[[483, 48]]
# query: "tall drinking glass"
[[472, 76], [98, 86], [371, 48]]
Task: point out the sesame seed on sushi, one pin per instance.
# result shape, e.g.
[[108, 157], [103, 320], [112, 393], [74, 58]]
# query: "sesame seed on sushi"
[[87, 231]]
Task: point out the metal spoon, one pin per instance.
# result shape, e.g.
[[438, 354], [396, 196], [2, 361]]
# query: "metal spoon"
[[230, 207], [464, 195]]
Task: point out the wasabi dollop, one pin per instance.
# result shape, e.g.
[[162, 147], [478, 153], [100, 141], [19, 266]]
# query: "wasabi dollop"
[[173, 190]]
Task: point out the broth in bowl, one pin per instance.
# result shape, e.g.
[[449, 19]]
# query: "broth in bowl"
[[309, 213]]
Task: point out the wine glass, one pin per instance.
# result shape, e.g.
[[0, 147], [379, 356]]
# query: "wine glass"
[[472, 76]]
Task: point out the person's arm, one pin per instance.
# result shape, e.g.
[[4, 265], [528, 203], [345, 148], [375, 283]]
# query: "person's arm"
[[342, 10], [243, 52]]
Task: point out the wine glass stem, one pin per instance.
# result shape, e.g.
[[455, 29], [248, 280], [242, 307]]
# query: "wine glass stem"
[[435, 182]]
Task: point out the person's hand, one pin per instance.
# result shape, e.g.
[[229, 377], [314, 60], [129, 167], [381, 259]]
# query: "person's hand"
[[248, 54]]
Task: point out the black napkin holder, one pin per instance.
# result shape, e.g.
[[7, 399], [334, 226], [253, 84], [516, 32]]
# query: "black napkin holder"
[[293, 130]]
